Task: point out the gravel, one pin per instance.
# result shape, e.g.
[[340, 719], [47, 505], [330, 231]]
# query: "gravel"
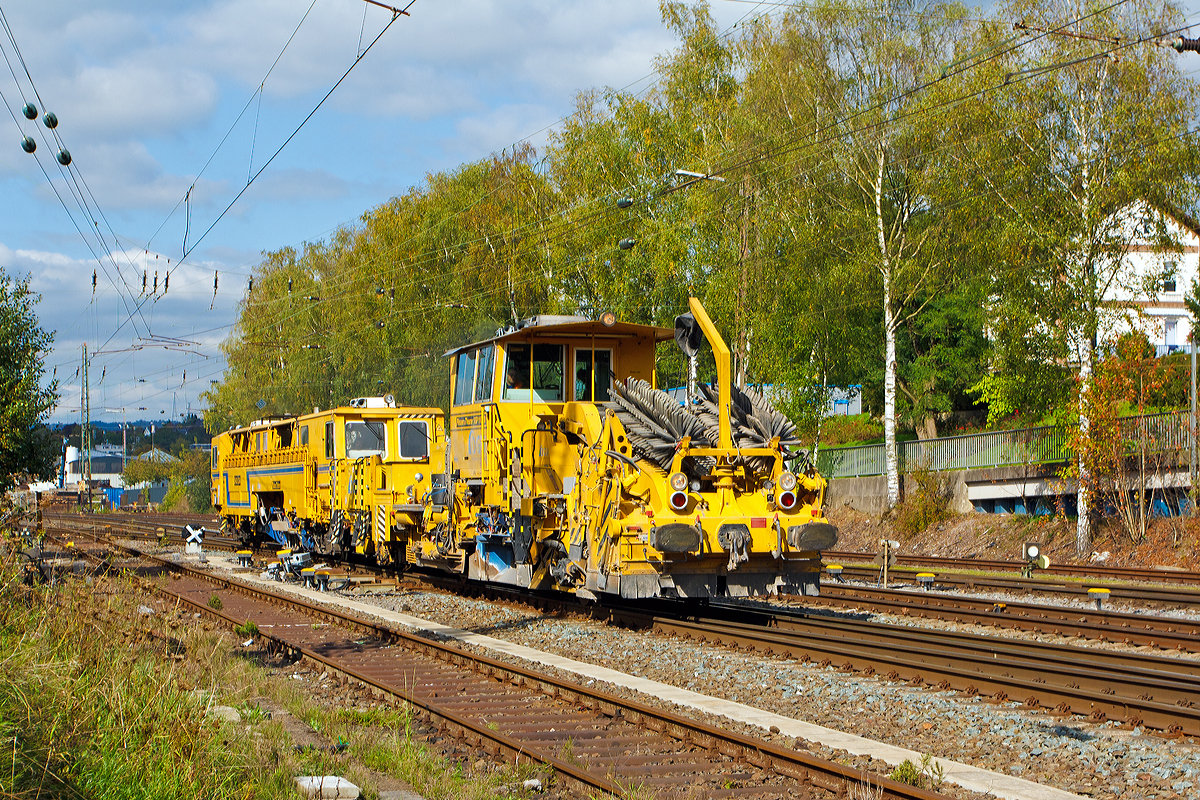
[[1099, 760], [1102, 760]]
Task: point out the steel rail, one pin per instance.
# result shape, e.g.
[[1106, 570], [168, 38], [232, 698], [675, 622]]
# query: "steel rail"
[[1133, 688], [1183, 596], [700, 742], [1095, 571], [974, 664], [1108, 626], [1002, 675]]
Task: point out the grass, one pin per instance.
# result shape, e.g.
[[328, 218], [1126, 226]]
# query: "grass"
[[92, 704], [99, 701]]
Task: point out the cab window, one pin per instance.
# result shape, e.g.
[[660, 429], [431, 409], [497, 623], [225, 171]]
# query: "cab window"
[[593, 370], [414, 439], [365, 438], [214, 456], [483, 384], [329, 439], [539, 372], [304, 435], [464, 378]]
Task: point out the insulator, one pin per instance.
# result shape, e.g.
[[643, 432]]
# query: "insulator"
[[50, 120], [626, 244], [625, 202], [64, 157], [30, 111], [166, 282], [289, 285], [28, 144], [93, 281], [250, 288]]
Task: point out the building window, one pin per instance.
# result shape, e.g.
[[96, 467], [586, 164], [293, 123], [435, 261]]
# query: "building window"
[[1169, 285], [1171, 331]]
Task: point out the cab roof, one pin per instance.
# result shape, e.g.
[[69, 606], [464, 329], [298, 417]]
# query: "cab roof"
[[566, 327]]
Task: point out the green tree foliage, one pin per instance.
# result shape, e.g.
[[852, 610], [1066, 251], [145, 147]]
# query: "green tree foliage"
[[26, 447], [371, 311], [893, 193]]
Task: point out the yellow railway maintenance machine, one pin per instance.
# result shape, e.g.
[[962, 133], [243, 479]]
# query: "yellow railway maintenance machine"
[[568, 468], [350, 479]]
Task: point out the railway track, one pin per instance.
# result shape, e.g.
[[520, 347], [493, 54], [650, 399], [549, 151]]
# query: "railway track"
[[1181, 596], [1091, 571], [593, 740], [1135, 689], [1108, 626]]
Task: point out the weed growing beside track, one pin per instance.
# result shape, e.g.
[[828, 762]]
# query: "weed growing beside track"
[[92, 704], [105, 692]]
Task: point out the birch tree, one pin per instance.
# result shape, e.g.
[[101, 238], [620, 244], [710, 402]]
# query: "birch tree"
[[878, 53], [1088, 121]]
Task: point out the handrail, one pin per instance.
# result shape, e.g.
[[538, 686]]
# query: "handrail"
[[1164, 431]]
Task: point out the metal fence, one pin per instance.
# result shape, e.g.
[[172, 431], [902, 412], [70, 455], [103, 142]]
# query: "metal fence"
[[1026, 446]]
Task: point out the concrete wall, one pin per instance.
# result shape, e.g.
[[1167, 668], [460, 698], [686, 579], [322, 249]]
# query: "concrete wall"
[[969, 486]]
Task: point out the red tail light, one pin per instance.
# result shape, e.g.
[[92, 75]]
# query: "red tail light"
[[679, 501], [787, 499]]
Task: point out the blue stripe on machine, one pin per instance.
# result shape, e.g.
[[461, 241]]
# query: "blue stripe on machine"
[[277, 471]]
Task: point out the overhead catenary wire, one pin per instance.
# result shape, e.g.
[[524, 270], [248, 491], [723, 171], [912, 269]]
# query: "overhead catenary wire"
[[339, 295], [396, 14], [70, 171]]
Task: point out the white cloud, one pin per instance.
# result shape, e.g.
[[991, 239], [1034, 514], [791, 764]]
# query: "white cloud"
[[301, 184], [145, 90], [500, 127], [137, 370]]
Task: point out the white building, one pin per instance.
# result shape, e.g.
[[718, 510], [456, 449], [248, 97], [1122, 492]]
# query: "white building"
[[1147, 293], [107, 465]]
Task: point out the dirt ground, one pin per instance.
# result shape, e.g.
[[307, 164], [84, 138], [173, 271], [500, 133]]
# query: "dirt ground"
[[1173, 542]]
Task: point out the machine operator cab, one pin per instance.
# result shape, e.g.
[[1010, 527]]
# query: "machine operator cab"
[[569, 469], [545, 368]]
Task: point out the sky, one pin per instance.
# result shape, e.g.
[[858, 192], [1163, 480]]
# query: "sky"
[[144, 93], [172, 99]]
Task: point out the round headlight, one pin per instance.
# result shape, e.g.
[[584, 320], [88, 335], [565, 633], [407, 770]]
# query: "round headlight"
[[787, 481], [678, 481]]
